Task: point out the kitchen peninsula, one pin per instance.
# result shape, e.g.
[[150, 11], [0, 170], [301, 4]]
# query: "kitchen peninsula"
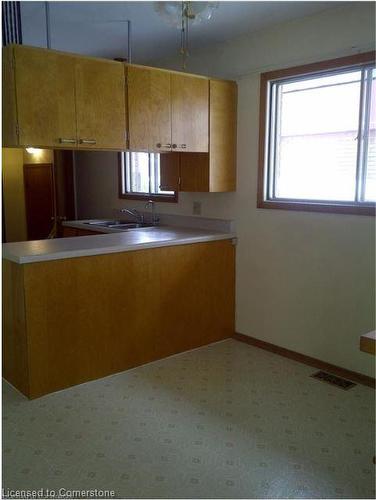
[[81, 308]]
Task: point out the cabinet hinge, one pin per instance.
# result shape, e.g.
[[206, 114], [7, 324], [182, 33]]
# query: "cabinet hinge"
[[17, 130]]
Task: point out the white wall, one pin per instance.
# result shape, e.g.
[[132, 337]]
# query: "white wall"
[[14, 195], [333, 33], [305, 281]]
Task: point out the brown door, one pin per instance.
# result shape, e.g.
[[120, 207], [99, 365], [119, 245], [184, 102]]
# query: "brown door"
[[64, 188], [39, 200]]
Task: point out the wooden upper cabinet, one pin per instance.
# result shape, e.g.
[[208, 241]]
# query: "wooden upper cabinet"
[[53, 99], [149, 109], [215, 171], [44, 86], [9, 114], [223, 121], [56, 100], [100, 98], [194, 172], [169, 171], [167, 110], [190, 113]]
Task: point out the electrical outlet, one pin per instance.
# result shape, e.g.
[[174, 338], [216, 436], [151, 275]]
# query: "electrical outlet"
[[197, 208]]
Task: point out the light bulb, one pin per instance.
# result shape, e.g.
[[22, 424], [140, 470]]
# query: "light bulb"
[[33, 151]]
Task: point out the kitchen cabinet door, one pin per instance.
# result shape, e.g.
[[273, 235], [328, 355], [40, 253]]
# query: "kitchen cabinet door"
[[223, 118], [44, 86], [149, 109], [190, 113], [169, 171], [194, 172], [68, 232], [100, 103], [215, 172]]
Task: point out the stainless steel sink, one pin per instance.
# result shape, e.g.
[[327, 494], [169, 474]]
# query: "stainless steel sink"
[[101, 223], [130, 225], [106, 222], [119, 224]]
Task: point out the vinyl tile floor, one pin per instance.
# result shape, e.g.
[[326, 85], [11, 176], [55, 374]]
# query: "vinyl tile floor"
[[224, 421]]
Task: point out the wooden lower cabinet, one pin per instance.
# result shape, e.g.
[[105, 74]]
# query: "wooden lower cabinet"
[[68, 232], [73, 320]]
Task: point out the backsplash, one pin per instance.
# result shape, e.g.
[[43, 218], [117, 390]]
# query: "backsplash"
[[195, 222]]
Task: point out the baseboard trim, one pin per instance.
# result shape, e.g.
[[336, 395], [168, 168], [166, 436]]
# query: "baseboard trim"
[[307, 360]]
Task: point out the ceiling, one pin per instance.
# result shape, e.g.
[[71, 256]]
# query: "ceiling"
[[95, 28]]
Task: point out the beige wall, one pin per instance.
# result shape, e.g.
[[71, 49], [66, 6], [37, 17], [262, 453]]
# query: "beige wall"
[[13, 160], [38, 156], [305, 281], [97, 192], [13, 195]]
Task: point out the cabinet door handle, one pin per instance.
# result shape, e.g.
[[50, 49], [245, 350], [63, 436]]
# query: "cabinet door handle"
[[88, 141], [159, 145], [183, 146], [66, 141], [174, 146]]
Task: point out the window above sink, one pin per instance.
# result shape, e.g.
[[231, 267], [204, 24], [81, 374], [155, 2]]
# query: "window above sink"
[[141, 177]]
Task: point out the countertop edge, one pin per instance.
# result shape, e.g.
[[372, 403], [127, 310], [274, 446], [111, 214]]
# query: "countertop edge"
[[70, 254]]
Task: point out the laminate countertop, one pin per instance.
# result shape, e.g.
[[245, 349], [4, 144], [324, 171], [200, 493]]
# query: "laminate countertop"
[[25, 252]]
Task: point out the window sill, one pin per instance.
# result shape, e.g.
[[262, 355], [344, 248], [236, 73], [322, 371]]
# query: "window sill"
[[147, 197], [319, 207]]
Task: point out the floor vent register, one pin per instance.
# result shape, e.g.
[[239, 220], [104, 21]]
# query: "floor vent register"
[[333, 380]]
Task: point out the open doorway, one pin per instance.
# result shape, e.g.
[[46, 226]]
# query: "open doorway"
[[38, 193]]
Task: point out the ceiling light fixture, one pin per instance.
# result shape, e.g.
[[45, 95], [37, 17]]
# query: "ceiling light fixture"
[[183, 14]]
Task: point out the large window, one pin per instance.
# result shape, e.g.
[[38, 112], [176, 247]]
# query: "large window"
[[140, 177], [318, 137]]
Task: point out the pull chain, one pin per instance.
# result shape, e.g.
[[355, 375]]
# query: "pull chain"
[[184, 33]]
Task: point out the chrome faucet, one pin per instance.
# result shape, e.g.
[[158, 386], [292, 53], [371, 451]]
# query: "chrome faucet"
[[154, 219], [135, 213]]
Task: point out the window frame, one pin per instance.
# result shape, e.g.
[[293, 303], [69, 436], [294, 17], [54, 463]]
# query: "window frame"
[[348, 62], [122, 181]]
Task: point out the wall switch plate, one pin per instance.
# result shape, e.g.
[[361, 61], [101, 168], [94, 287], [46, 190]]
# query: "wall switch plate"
[[197, 208]]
